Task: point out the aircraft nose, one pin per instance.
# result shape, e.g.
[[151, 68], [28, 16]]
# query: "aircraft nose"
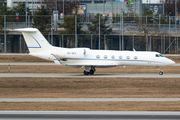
[[170, 62]]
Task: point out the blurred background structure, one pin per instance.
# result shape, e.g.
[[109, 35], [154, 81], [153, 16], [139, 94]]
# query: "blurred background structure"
[[96, 24]]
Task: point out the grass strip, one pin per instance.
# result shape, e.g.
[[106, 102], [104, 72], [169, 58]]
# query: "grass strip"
[[89, 87], [93, 106], [20, 58], [65, 69]]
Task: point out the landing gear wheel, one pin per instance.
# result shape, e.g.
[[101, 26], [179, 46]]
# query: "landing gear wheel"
[[86, 73], [91, 72], [160, 73]]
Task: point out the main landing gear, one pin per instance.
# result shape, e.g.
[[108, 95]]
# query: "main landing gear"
[[89, 72], [160, 71]]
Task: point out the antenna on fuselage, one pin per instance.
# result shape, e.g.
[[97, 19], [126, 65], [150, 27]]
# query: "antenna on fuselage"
[[134, 50], [84, 51]]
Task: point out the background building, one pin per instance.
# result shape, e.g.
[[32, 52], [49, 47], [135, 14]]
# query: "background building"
[[30, 3], [127, 33], [99, 6], [92, 6], [157, 8]]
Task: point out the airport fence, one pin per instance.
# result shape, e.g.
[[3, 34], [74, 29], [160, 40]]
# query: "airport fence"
[[162, 44], [155, 33]]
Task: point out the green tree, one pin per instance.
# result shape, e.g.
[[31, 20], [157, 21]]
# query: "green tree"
[[94, 27], [20, 8], [127, 16], [116, 19], [4, 10], [147, 12], [42, 20], [130, 11], [163, 20], [69, 26]]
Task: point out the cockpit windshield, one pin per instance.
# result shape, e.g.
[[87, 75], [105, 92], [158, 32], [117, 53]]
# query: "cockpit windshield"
[[159, 55]]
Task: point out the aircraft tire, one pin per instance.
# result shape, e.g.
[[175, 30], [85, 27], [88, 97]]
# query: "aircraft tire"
[[91, 72], [86, 73], [160, 73]]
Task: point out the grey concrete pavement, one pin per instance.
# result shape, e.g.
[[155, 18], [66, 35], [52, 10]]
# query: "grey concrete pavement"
[[50, 63], [90, 115], [94, 76]]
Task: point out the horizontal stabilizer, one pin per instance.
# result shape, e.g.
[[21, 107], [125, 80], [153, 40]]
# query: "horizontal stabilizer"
[[31, 30]]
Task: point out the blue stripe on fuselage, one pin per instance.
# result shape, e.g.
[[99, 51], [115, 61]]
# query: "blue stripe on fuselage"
[[111, 60]]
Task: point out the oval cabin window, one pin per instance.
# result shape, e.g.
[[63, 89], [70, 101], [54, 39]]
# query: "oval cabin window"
[[120, 57], [135, 57], [105, 56], [112, 56], [128, 57], [97, 56]]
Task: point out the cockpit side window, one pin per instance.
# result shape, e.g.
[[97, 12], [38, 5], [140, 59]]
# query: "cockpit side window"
[[157, 55], [161, 55]]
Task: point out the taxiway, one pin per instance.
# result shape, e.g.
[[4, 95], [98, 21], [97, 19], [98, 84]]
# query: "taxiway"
[[50, 63], [90, 115], [95, 75]]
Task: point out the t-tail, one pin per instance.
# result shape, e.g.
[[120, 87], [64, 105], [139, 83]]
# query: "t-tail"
[[35, 41]]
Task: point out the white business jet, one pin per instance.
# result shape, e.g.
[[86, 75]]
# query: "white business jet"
[[90, 59]]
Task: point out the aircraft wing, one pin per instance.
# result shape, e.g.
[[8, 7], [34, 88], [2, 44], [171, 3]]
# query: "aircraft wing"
[[93, 65]]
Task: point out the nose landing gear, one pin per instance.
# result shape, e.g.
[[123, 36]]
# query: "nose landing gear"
[[160, 71]]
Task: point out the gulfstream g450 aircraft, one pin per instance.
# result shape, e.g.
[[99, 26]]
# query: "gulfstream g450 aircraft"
[[90, 59]]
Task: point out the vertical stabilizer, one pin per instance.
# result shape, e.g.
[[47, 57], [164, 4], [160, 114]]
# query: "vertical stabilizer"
[[35, 41]]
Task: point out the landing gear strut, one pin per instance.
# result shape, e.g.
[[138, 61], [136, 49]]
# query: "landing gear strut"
[[160, 71], [87, 71]]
